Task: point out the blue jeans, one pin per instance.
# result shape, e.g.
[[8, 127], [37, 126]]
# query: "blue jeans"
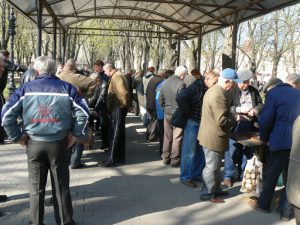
[[211, 174], [236, 154], [76, 155], [192, 156]]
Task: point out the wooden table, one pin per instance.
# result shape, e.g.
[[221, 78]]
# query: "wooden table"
[[251, 140]]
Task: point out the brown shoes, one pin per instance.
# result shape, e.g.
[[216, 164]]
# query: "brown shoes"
[[189, 183], [217, 200]]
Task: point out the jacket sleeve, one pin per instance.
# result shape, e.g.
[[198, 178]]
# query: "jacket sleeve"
[[10, 112], [102, 96], [86, 84], [161, 98], [81, 114], [93, 100], [267, 118], [259, 103], [222, 113], [183, 99]]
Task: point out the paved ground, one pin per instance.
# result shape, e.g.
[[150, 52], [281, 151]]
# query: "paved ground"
[[143, 192]]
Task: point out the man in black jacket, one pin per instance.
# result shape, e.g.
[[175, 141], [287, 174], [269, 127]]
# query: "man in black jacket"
[[100, 105], [190, 104]]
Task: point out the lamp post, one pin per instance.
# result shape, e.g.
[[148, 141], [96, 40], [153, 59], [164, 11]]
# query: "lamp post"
[[11, 31]]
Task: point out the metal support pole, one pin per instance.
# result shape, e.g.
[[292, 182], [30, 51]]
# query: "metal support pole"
[[60, 47], [11, 30], [54, 39], [64, 46], [39, 27], [234, 40], [178, 51], [199, 49]]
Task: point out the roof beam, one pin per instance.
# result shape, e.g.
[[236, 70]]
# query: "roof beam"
[[184, 3], [51, 12], [243, 7], [118, 35], [117, 30], [119, 17]]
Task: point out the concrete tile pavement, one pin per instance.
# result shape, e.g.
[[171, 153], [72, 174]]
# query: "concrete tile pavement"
[[142, 192]]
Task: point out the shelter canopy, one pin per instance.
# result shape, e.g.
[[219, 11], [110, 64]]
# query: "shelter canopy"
[[182, 17]]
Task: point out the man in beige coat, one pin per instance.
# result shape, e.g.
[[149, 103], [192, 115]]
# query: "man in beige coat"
[[118, 101], [86, 87], [293, 180], [213, 134]]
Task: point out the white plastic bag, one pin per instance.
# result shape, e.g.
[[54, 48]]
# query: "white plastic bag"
[[252, 178]]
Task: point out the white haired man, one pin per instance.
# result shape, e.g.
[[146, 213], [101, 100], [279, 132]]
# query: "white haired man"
[[167, 99], [53, 114]]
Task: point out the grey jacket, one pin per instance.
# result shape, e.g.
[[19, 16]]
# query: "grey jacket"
[[293, 180], [168, 93]]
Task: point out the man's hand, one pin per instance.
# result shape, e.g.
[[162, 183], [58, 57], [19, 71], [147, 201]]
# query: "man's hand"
[[71, 140], [252, 112], [24, 140], [237, 117]]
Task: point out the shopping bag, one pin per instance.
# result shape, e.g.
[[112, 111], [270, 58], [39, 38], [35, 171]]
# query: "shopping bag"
[[252, 178]]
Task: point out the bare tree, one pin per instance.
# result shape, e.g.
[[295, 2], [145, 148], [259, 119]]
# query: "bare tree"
[[256, 34], [282, 29]]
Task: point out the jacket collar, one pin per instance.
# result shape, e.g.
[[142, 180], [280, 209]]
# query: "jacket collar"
[[46, 76]]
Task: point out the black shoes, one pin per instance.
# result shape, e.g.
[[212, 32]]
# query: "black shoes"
[[110, 164], [81, 165], [3, 198], [175, 165], [285, 217], [104, 147], [166, 162]]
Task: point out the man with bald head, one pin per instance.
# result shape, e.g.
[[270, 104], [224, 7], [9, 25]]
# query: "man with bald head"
[[85, 86]]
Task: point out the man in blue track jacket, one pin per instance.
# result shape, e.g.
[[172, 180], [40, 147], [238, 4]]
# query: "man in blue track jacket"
[[53, 115]]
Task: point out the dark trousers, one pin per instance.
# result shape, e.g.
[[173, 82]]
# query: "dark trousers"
[[117, 143], [104, 117], [277, 163], [41, 157], [160, 135], [76, 155], [152, 132], [136, 107]]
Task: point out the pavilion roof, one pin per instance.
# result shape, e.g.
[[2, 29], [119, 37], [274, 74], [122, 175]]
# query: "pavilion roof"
[[182, 17]]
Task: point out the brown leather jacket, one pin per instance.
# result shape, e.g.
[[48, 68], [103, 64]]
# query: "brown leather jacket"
[[118, 92]]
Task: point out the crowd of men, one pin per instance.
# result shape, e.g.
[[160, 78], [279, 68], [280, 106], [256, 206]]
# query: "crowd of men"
[[193, 117]]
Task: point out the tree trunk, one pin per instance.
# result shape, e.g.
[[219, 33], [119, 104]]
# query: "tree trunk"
[[275, 60], [146, 56]]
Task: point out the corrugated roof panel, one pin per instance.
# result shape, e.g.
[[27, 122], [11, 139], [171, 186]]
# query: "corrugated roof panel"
[[186, 11]]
